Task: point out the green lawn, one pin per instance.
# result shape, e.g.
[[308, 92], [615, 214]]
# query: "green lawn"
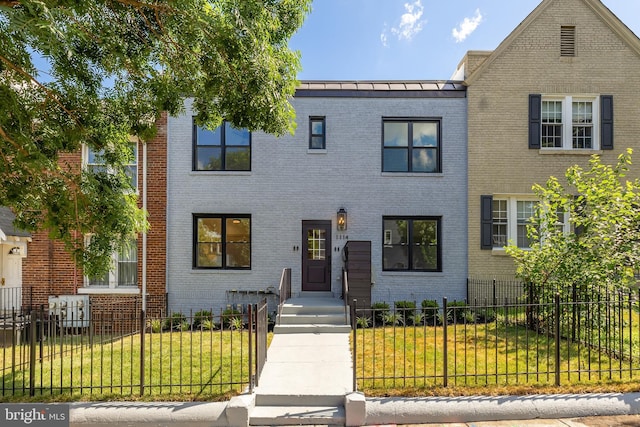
[[394, 360], [211, 365]]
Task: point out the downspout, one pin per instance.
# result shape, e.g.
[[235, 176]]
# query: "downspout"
[[144, 233]]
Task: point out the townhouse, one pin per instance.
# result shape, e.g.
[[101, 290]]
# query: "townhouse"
[[376, 162], [561, 87]]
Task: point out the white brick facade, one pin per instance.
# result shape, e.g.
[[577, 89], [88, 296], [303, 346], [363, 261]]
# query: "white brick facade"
[[289, 183]]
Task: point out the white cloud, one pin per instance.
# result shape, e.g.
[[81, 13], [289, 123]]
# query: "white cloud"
[[411, 23], [466, 27], [384, 37]]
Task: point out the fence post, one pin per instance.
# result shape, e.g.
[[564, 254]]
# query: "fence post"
[[32, 354], [355, 343], [494, 293], [557, 338], [143, 325], [445, 323], [251, 315]]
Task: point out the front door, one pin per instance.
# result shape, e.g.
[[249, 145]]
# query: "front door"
[[316, 256]]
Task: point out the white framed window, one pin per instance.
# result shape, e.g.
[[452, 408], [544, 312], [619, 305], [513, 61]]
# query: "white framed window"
[[93, 160], [510, 219], [123, 274], [570, 123]]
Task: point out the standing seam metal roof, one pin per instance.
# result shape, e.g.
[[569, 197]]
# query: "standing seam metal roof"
[[378, 88]]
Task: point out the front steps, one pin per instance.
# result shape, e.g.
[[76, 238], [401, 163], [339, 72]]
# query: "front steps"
[[313, 315], [309, 369]]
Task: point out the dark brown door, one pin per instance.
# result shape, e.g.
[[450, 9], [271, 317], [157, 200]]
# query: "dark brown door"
[[316, 256]]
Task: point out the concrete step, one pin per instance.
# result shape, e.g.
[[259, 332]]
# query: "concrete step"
[[294, 307], [297, 415], [311, 329], [325, 319], [292, 399]]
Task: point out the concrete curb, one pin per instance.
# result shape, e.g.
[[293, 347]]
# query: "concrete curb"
[[378, 410], [498, 408], [192, 414]]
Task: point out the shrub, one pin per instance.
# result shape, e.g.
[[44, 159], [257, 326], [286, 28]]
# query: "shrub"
[[416, 319], [392, 319], [200, 317], [405, 309], [456, 311], [235, 323], [430, 309], [154, 325], [486, 315], [174, 321], [363, 322], [380, 310], [207, 325], [230, 316]]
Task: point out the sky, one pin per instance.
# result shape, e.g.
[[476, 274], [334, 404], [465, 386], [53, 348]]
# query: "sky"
[[411, 39]]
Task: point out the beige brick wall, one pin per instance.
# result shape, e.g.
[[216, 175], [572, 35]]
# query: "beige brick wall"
[[500, 161]]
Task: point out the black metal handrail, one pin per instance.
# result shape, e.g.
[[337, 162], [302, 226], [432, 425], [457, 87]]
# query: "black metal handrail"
[[345, 294]]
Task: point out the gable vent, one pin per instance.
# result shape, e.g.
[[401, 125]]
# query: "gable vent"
[[567, 41]]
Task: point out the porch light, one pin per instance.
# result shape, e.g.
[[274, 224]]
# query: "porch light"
[[14, 251], [342, 220]]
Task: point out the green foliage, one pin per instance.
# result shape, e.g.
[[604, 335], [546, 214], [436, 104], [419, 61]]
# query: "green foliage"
[[363, 322], [230, 317], [391, 319], [155, 325], [175, 321], [416, 318], [110, 69], [599, 256], [430, 309], [405, 309], [207, 325], [457, 311], [380, 310], [200, 317]]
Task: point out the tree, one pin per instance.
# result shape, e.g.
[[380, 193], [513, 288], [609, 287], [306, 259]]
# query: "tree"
[[601, 254], [97, 72]]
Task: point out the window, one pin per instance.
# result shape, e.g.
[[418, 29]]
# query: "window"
[[411, 146], [317, 133], [222, 241], [411, 244], [510, 218], [124, 272], [571, 122], [223, 149], [94, 161]]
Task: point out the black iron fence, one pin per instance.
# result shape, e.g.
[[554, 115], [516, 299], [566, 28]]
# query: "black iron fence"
[[448, 343], [495, 290], [195, 355]]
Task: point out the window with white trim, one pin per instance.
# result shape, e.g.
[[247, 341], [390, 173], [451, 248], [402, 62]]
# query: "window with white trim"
[[510, 218], [124, 272], [570, 123]]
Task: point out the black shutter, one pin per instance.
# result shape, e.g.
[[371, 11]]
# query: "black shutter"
[[606, 122], [535, 122], [486, 222]]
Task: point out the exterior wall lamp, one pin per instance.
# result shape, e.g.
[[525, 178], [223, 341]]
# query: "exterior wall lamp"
[[14, 251], [342, 219]]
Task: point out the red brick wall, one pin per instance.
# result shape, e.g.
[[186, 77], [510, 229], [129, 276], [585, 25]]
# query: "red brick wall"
[[49, 270]]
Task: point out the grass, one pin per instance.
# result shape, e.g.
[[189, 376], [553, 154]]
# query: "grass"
[[492, 358], [199, 365]]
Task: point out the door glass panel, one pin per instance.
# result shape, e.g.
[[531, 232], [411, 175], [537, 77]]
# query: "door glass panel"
[[316, 244]]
